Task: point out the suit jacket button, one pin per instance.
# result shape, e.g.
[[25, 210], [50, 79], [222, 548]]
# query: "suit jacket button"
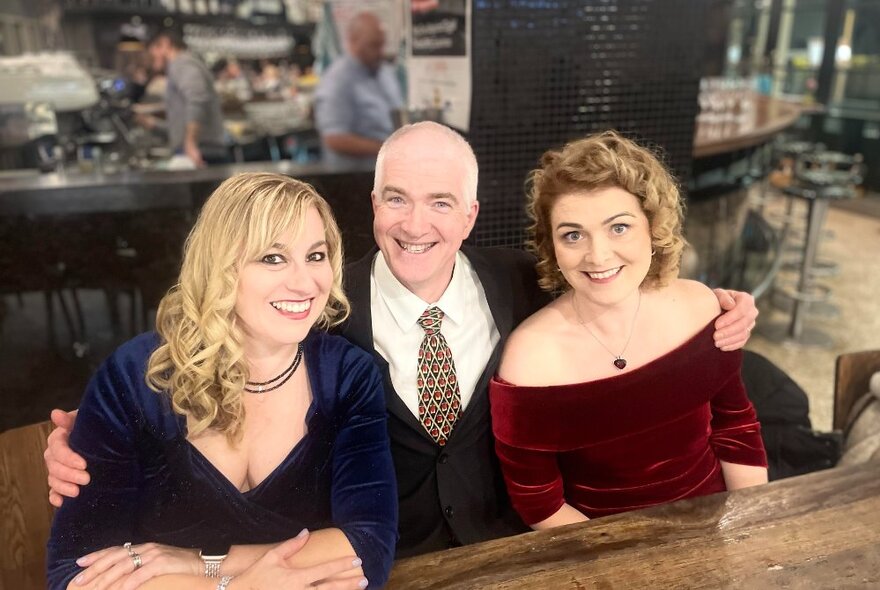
[[443, 458], [449, 511]]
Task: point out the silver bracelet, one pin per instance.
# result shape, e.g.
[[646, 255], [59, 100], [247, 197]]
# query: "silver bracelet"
[[224, 581]]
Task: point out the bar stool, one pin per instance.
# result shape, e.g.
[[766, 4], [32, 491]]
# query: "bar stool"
[[786, 157], [846, 170], [812, 167], [817, 185]]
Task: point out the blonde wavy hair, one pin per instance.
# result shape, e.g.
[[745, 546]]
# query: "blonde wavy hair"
[[200, 361], [601, 161]]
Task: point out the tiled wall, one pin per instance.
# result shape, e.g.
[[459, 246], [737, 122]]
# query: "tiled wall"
[[548, 71]]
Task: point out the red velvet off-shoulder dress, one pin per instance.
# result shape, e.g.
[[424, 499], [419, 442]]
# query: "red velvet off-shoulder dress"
[[649, 436]]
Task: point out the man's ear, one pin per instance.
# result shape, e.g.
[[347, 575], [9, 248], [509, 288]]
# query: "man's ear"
[[473, 211]]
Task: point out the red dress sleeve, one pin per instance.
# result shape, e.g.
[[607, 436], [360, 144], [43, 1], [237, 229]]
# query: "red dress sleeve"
[[532, 476], [736, 433], [533, 480]]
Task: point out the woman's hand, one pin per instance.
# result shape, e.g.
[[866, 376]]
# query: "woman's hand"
[[272, 571], [115, 566]]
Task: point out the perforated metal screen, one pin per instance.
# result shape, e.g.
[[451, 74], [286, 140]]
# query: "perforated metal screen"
[[545, 72]]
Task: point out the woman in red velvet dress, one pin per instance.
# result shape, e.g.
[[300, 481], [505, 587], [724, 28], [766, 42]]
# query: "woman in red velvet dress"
[[614, 397]]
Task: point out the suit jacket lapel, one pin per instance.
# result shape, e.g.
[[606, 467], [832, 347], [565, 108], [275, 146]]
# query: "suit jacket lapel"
[[497, 295], [358, 329], [500, 305]]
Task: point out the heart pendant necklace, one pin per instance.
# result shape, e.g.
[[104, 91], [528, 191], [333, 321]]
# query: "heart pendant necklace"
[[619, 361]]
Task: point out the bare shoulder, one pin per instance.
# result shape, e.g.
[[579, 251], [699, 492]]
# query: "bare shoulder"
[[692, 303], [532, 348]]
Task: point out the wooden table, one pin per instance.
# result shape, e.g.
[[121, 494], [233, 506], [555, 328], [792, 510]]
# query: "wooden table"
[[820, 530]]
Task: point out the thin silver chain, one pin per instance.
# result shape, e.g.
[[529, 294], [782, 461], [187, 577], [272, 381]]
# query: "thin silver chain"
[[632, 328]]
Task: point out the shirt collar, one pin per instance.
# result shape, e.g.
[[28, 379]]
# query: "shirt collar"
[[407, 307]]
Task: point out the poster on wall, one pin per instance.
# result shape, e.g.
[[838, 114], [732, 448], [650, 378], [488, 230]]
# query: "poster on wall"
[[439, 58]]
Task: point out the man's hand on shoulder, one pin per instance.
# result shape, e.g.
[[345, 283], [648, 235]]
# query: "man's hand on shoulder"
[[733, 329]]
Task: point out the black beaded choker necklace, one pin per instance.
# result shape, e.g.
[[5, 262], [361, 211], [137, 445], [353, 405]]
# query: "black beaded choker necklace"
[[284, 376]]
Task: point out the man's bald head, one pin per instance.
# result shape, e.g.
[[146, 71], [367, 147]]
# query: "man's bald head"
[[442, 141], [366, 39]]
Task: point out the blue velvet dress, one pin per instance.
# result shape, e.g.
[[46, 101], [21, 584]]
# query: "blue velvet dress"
[[148, 483]]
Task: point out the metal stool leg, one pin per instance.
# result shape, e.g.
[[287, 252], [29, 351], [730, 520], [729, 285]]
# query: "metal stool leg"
[[817, 209]]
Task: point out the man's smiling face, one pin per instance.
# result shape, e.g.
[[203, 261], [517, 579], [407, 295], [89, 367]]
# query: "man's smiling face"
[[421, 212]]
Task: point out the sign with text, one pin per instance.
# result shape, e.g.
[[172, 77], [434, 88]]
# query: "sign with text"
[[439, 58]]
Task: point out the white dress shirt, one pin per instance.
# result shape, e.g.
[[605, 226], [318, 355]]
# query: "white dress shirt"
[[467, 326]]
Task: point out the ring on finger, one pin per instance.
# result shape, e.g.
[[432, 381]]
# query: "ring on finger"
[[136, 559], [127, 547]]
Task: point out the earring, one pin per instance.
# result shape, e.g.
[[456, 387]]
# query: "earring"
[[653, 251]]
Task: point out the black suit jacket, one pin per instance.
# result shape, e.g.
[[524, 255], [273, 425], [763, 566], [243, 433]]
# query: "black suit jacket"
[[451, 495]]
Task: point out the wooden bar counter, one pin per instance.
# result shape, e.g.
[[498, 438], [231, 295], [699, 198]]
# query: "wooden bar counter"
[[820, 530], [767, 118]]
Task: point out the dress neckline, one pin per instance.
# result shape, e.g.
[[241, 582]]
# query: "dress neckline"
[[694, 341], [279, 468], [311, 367]]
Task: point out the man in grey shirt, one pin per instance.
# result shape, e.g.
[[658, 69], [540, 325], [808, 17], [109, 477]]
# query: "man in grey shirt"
[[194, 120], [356, 96]]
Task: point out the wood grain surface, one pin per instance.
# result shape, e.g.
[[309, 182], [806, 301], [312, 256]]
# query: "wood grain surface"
[[820, 530], [25, 512]]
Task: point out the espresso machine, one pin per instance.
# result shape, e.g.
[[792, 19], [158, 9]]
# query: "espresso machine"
[[56, 115]]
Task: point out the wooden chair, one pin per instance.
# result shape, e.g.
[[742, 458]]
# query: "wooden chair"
[[25, 512], [851, 376]]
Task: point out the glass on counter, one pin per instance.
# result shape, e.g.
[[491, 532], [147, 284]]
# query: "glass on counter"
[[726, 104]]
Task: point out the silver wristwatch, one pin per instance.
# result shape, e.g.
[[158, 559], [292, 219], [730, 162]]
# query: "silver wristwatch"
[[212, 564]]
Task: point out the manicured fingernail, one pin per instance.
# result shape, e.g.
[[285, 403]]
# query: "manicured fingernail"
[[356, 562], [302, 533], [78, 580], [82, 562], [363, 583]]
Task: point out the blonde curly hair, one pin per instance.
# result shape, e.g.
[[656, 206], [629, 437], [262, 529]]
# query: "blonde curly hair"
[[600, 161], [200, 361]]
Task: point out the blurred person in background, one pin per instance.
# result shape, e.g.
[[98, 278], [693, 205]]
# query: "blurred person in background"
[[193, 122], [230, 82], [269, 80], [356, 96]]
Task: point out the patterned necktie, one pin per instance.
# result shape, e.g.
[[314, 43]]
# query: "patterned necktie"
[[439, 397]]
